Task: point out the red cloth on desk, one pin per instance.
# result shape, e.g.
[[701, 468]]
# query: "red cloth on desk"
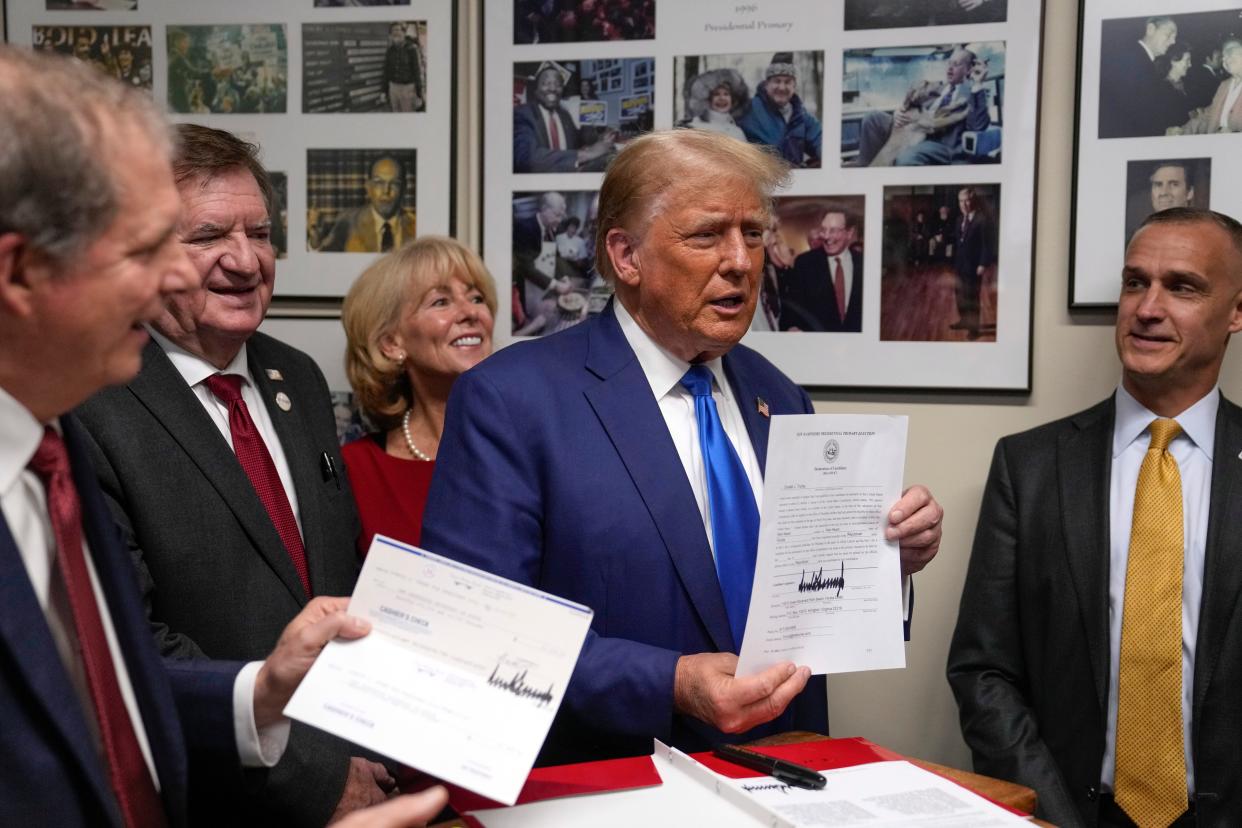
[[390, 491]]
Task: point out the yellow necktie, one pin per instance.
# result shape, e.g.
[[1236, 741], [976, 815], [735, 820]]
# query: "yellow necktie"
[[1150, 782]]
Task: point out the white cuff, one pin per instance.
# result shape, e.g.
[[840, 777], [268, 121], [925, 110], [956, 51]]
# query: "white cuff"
[[256, 748]]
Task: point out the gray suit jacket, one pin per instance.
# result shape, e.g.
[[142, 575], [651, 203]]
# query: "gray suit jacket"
[[214, 574], [1029, 658]]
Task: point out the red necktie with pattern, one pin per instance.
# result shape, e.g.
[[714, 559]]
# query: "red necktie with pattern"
[[127, 770], [554, 133], [256, 461], [838, 284]]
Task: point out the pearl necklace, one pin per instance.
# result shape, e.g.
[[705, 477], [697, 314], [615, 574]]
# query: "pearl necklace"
[[409, 442]]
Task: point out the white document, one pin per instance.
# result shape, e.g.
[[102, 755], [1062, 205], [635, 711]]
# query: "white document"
[[877, 795], [827, 590], [460, 676]]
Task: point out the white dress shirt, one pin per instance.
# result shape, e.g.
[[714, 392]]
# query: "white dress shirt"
[[194, 370], [23, 502], [847, 270], [1193, 451]]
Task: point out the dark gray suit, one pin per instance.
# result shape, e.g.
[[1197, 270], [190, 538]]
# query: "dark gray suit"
[[1030, 656], [214, 573]]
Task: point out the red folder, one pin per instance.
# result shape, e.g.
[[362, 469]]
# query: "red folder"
[[568, 780]]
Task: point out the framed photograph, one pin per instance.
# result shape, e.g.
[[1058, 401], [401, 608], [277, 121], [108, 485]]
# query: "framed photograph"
[[351, 103], [885, 110], [1158, 120]]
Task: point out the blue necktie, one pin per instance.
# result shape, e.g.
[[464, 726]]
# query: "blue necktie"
[[735, 518], [948, 96]]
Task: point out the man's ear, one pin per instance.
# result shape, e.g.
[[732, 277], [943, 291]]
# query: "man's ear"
[[623, 253], [21, 270]]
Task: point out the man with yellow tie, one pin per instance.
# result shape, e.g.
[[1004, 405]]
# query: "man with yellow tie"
[[1097, 656]]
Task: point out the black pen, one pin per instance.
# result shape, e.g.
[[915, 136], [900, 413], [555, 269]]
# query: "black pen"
[[788, 772]]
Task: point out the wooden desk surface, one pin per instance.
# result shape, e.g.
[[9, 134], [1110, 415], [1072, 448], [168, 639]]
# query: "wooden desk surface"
[[1007, 793]]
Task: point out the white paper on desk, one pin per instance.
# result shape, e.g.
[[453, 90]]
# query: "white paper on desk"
[[460, 676], [878, 795], [827, 590]]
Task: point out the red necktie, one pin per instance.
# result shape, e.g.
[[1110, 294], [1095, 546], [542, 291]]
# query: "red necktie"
[[554, 133], [256, 461], [838, 282], [127, 771]]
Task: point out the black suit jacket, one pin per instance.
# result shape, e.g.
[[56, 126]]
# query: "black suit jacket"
[[808, 300], [1030, 655], [51, 773], [1127, 79], [974, 247], [215, 576], [532, 147]]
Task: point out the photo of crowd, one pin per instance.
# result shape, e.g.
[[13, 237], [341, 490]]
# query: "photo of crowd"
[[371, 66], [813, 266], [224, 69], [360, 201], [919, 106], [889, 14], [124, 52], [1178, 74], [1160, 184], [576, 21], [938, 264], [571, 116], [555, 284], [763, 98]]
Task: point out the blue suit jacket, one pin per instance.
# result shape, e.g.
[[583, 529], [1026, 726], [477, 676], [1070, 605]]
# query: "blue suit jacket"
[[50, 772], [556, 469]]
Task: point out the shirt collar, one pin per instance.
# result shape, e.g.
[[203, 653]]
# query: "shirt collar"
[[1198, 422], [20, 434], [662, 369], [193, 368]]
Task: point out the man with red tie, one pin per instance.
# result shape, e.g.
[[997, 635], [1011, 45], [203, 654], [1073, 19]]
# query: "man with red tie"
[[96, 727], [824, 291], [220, 462], [545, 137]]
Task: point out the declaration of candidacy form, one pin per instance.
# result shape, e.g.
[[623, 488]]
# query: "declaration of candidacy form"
[[827, 590]]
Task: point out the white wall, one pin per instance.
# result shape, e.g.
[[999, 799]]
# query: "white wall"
[[951, 438]]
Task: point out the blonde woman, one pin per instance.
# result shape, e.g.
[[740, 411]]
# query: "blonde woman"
[[414, 321]]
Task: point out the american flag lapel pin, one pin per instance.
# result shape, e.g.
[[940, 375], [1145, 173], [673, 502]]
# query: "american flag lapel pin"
[[762, 407]]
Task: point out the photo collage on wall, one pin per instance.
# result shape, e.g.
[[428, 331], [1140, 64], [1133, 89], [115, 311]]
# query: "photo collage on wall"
[[1159, 113], [285, 74], [903, 123]]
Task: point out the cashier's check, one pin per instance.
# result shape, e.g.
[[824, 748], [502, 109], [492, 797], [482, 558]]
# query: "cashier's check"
[[460, 676]]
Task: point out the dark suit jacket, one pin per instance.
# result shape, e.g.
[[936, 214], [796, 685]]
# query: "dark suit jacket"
[[973, 247], [808, 300], [531, 151], [51, 773], [556, 469], [1030, 655], [215, 576], [1127, 79], [356, 231]]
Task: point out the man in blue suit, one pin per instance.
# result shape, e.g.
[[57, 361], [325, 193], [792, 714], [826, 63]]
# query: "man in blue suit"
[[574, 463], [96, 727]]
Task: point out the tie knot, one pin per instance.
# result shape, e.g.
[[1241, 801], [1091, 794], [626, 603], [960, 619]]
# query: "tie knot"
[[226, 387], [1162, 433], [698, 381], [51, 457]]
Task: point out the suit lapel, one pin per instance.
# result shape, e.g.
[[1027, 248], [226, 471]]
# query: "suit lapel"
[[162, 390], [294, 432], [1222, 575], [1084, 463], [747, 394], [623, 402]]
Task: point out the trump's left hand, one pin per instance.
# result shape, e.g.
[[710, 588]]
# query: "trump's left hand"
[[915, 521]]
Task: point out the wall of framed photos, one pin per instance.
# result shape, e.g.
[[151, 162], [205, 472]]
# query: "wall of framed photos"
[[1073, 365]]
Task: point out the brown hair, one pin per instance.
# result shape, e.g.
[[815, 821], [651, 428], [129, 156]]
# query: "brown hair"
[[203, 152], [374, 305], [657, 162]]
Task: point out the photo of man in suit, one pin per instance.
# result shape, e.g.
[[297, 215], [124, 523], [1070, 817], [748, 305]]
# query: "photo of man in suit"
[[221, 464], [601, 420], [974, 251], [545, 136], [824, 291], [98, 730], [1152, 186], [1097, 656], [380, 225], [1128, 77]]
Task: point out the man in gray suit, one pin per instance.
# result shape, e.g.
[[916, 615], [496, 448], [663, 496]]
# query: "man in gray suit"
[[220, 462], [1060, 652]]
